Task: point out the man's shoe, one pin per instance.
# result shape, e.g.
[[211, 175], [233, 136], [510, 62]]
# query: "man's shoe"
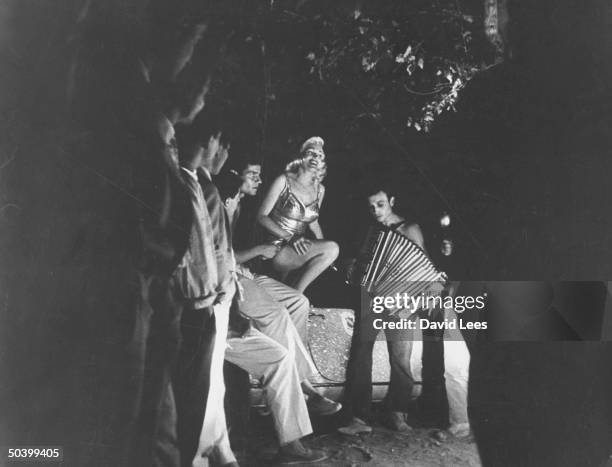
[[397, 421], [460, 430], [320, 405], [457, 431], [297, 453], [356, 426]]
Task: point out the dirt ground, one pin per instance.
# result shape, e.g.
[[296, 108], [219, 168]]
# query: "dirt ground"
[[382, 447]]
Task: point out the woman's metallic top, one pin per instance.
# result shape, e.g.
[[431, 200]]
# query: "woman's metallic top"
[[291, 214]]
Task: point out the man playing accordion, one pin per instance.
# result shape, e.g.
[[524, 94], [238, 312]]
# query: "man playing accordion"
[[396, 261]]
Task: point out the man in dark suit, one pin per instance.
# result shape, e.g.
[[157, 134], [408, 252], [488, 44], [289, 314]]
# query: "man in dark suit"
[[166, 219]]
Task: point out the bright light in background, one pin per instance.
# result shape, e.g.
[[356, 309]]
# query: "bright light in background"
[[445, 220], [447, 247]]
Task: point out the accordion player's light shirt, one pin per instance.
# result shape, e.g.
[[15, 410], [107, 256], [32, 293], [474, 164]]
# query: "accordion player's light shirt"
[[291, 214]]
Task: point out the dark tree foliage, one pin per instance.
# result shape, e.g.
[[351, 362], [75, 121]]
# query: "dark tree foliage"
[[370, 77], [400, 63], [409, 60]]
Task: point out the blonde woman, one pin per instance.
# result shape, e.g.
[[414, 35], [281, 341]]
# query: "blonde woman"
[[291, 208]]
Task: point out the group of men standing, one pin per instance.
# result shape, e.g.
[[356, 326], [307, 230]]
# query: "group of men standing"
[[199, 306]]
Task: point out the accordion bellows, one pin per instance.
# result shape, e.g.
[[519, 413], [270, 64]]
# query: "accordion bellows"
[[396, 264]]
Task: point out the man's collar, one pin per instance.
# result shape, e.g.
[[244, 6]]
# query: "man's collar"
[[206, 173], [192, 173]]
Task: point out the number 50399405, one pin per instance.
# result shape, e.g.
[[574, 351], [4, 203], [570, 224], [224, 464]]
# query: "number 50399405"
[[35, 453]]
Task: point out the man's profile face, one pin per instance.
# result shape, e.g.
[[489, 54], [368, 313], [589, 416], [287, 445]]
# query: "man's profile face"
[[381, 207], [251, 179]]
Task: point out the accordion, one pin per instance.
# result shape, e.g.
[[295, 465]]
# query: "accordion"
[[393, 263]]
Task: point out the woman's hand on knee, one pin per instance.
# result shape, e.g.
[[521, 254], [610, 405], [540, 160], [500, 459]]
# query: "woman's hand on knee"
[[301, 245]]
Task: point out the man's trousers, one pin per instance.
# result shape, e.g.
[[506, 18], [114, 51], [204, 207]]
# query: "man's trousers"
[[273, 319], [193, 378], [267, 360], [214, 440], [295, 302], [456, 369], [152, 354]]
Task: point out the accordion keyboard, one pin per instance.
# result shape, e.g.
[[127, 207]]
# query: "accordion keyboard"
[[396, 264]]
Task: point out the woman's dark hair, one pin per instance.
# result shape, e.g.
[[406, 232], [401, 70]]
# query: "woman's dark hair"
[[228, 183]]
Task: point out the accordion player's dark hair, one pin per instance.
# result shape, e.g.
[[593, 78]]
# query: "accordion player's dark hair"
[[377, 186]]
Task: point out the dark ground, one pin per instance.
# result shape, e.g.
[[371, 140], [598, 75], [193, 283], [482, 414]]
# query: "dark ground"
[[382, 447]]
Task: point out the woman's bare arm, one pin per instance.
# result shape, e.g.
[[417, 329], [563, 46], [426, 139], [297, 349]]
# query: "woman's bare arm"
[[315, 227], [321, 194], [263, 214]]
